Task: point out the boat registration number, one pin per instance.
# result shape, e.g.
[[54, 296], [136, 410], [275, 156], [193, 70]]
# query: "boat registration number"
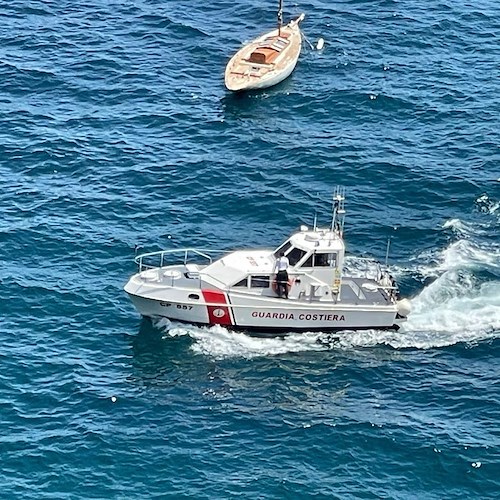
[[178, 306]]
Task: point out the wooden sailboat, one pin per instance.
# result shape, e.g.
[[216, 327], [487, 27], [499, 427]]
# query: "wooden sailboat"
[[268, 59]]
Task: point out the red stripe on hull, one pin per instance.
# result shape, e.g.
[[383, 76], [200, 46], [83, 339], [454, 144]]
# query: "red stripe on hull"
[[217, 315]]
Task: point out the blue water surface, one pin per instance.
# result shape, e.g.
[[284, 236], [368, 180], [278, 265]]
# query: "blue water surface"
[[116, 132]]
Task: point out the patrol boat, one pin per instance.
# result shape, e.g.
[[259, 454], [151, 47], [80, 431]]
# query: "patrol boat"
[[238, 289]]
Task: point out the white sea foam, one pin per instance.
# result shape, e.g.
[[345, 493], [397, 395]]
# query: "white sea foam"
[[466, 254], [456, 306], [453, 309], [462, 228], [487, 205], [462, 254], [218, 342]]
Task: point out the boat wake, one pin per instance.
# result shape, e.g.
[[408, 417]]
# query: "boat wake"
[[218, 342], [460, 304], [462, 301]]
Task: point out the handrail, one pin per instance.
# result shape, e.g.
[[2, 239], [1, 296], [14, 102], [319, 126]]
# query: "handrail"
[[138, 259], [204, 253]]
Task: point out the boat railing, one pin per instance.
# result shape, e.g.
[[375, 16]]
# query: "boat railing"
[[366, 267], [153, 260]]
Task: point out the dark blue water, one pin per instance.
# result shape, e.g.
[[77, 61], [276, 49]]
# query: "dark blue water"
[[116, 131]]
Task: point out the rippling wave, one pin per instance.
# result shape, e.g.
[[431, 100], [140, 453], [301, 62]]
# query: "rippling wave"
[[117, 134]]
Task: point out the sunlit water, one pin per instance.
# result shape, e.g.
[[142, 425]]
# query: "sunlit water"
[[117, 133]]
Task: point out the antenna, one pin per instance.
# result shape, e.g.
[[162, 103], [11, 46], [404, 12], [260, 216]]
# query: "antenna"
[[338, 210], [387, 251], [388, 245]]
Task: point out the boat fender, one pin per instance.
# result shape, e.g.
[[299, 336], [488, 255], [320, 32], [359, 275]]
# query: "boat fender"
[[404, 307]]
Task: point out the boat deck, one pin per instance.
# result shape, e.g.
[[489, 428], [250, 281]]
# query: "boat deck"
[[353, 291], [361, 291]]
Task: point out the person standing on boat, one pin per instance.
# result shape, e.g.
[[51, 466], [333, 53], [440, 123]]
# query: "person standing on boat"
[[281, 270]]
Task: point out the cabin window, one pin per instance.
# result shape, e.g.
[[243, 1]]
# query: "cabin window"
[[295, 255], [283, 248], [326, 260], [321, 260], [331, 259], [309, 261], [242, 283], [259, 281]]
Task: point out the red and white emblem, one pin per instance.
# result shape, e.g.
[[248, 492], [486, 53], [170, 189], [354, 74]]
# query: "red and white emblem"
[[217, 314]]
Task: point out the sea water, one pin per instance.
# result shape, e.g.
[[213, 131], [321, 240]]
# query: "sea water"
[[118, 136]]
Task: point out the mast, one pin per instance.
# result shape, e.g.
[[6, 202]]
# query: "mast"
[[280, 16]]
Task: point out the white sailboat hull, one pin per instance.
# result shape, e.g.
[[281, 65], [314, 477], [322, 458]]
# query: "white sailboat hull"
[[267, 60]]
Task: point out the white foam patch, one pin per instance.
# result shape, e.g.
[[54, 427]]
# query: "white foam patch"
[[462, 254], [464, 228], [487, 205], [455, 302], [219, 342], [456, 306], [439, 319], [465, 254]]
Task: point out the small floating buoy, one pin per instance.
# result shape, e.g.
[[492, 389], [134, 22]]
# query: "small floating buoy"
[[320, 44], [113, 399]]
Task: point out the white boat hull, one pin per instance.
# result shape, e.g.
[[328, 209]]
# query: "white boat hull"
[[214, 307], [283, 50]]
